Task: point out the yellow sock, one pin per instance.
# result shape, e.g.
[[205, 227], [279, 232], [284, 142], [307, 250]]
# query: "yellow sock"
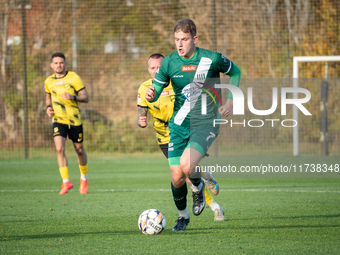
[[83, 170], [64, 172], [208, 198], [202, 171]]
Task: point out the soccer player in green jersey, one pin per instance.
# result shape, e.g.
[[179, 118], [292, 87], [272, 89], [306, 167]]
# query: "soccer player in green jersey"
[[161, 112], [193, 73]]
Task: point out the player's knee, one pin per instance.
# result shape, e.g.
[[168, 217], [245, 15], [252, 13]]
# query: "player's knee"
[[80, 150], [178, 178], [178, 182], [60, 149], [185, 165], [188, 168]]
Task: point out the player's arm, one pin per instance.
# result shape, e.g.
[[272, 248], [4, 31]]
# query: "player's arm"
[[235, 76], [154, 91], [159, 83], [142, 116], [150, 94], [81, 97], [142, 105], [226, 110], [49, 109]]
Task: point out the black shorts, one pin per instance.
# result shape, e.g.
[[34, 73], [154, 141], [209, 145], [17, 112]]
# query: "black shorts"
[[75, 133], [164, 148]]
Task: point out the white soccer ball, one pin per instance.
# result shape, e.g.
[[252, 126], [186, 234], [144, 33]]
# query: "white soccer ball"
[[151, 222]]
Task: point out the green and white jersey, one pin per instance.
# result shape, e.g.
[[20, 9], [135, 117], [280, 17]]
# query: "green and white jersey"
[[193, 79]]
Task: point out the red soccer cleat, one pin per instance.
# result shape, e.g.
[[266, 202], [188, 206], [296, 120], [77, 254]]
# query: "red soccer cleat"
[[65, 187], [83, 187]]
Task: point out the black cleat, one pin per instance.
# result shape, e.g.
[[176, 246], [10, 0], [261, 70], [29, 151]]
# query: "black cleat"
[[181, 224], [198, 201]]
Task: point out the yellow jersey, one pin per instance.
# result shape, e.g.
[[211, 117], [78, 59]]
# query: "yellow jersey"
[[65, 111], [161, 110]]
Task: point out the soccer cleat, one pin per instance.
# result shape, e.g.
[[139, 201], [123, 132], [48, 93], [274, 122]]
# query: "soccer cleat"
[[181, 224], [219, 214], [211, 183], [198, 200], [83, 187], [65, 187]]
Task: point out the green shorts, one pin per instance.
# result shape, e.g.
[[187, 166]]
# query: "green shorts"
[[181, 138]]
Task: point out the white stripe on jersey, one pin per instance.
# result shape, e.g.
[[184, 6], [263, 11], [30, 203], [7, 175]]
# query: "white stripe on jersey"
[[229, 67], [203, 68], [200, 76], [161, 82]]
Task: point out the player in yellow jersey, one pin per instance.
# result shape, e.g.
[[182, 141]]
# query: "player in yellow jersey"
[[64, 89], [161, 112]]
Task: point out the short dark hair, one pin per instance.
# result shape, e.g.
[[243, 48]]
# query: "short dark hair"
[[186, 26], [156, 56], [58, 54]]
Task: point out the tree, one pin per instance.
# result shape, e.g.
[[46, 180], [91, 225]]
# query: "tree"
[[4, 13]]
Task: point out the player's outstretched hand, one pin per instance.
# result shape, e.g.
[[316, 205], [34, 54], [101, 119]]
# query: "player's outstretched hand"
[[142, 121], [226, 110], [150, 93], [49, 112]]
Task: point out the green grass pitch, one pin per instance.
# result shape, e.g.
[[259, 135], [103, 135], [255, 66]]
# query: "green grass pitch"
[[263, 215]]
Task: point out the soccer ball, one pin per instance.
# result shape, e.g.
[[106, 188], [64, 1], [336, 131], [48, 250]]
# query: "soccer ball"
[[151, 222]]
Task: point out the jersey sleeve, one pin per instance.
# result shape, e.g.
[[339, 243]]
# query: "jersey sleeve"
[[235, 76], [47, 89], [161, 79], [78, 84], [226, 66], [222, 64], [141, 101]]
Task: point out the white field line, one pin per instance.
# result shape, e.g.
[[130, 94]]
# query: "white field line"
[[168, 190]]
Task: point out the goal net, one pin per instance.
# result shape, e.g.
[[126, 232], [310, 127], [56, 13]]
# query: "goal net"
[[325, 120]]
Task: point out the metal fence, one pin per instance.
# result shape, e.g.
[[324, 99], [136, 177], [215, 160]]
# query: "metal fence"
[[108, 42]]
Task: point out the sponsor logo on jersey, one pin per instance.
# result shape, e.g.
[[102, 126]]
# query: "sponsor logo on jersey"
[[191, 92], [188, 68], [177, 76], [138, 98], [59, 82], [165, 93], [200, 86], [212, 135], [225, 59]]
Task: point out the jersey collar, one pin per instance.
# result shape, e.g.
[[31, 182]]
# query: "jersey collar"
[[192, 58], [60, 77]]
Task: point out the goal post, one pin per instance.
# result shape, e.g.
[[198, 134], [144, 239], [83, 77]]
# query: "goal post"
[[296, 61]]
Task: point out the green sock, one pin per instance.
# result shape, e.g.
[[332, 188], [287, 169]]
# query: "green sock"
[[195, 181], [180, 196]]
